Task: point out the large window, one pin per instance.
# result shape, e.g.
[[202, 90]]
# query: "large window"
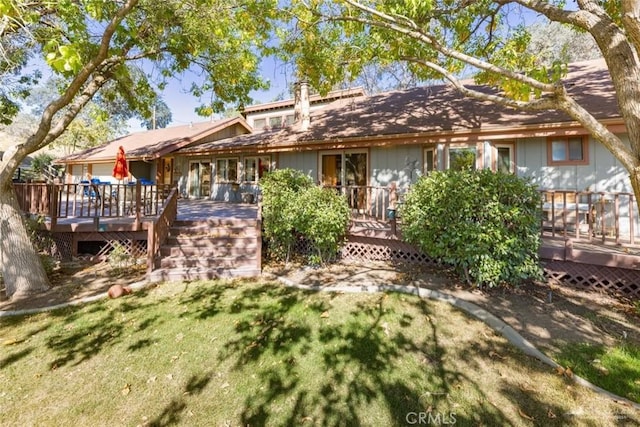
[[227, 170], [567, 151], [255, 168]]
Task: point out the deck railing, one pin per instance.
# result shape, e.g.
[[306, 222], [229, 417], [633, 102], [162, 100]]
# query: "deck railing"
[[591, 216], [605, 217], [91, 199], [160, 227]]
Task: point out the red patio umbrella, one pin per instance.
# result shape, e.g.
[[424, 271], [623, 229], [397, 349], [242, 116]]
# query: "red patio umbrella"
[[120, 169]]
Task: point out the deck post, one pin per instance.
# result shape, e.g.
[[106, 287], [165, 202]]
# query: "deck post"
[[138, 203]]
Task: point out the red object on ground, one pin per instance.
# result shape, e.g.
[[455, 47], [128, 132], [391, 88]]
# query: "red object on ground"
[[117, 291], [120, 169]]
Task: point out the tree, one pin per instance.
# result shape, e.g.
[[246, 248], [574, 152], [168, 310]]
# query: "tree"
[[96, 46], [444, 39], [160, 116]]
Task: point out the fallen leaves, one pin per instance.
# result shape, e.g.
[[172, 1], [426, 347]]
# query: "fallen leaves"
[[567, 372], [126, 389], [525, 416], [324, 315]]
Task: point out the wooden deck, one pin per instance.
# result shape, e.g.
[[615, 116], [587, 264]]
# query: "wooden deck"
[[583, 255]]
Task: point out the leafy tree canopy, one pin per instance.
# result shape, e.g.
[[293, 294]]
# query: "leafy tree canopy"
[[485, 39]]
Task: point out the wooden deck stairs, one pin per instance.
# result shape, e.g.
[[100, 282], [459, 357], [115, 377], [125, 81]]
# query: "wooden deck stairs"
[[209, 249]]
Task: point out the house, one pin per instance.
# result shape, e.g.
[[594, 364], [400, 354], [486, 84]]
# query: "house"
[[361, 143], [149, 153], [370, 142]]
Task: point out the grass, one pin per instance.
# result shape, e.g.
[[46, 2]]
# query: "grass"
[[616, 368], [242, 353]]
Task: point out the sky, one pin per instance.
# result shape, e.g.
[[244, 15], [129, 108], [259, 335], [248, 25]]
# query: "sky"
[[182, 104]]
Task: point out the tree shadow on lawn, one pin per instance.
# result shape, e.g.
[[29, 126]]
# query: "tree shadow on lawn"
[[358, 356], [86, 332]]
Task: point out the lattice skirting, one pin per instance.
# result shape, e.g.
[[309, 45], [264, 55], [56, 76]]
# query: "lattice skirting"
[[372, 249], [616, 281], [62, 247], [113, 240]]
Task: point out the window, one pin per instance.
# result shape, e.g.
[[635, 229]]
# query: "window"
[[288, 120], [462, 158], [275, 122], [429, 160], [504, 161], [567, 151], [259, 124], [227, 170], [255, 168]]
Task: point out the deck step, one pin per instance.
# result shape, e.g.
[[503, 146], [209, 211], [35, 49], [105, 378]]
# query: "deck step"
[[209, 249], [232, 249]]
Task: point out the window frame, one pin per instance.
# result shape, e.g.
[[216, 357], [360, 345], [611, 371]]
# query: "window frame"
[[224, 179], [257, 159], [512, 156], [434, 156], [566, 139]]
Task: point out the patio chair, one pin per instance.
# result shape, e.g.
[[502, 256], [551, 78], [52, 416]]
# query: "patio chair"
[[90, 189]]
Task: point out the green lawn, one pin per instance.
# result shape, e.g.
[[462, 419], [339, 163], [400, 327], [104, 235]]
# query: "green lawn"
[[242, 353]]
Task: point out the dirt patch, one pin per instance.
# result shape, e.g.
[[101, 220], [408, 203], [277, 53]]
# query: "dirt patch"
[[547, 314], [74, 281]]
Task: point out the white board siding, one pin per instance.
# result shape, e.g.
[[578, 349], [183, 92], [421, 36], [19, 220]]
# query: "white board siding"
[[603, 173]]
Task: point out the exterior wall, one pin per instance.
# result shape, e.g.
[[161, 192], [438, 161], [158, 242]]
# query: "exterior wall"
[[603, 173], [305, 161], [402, 165]]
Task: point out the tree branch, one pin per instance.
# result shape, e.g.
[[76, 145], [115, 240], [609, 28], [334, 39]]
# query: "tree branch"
[[631, 21], [388, 22]]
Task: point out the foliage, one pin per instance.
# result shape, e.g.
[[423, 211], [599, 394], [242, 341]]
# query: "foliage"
[[322, 217], [484, 224], [40, 162], [462, 159], [119, 258], [280, 188], [294, 209], [160, 118]]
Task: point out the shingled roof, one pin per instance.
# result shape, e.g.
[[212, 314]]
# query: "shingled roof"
[[153, 144], [428, 110]]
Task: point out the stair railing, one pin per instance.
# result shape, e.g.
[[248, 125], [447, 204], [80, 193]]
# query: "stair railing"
[[159, 229]]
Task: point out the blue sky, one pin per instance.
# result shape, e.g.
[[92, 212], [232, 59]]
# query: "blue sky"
[[182, 104]]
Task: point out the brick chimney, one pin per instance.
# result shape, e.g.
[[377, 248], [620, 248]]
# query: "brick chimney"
[[302, 107]]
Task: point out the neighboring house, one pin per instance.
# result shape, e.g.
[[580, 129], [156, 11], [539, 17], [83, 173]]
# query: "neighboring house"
[[150, 153]]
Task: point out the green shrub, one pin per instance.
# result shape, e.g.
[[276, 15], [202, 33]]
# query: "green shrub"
[[280, 189], [484, 224], [322, 217], [294, 208]]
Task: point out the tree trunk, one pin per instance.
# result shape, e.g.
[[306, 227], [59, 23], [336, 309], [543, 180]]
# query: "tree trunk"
[[24, 274]]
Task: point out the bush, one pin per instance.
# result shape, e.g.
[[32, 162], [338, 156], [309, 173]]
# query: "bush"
[[484, 224], [322, 217], [279, 191], [294, 208]]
